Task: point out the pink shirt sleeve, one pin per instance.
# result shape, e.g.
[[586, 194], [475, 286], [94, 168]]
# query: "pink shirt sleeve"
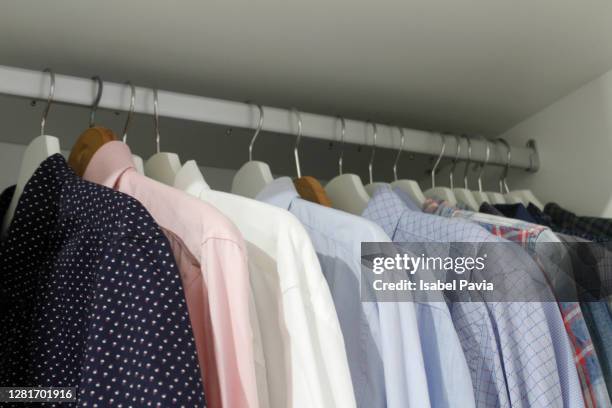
[[224, 266]]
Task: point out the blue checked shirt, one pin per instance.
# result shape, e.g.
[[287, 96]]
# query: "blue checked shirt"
[[518, 353], [382, 341]]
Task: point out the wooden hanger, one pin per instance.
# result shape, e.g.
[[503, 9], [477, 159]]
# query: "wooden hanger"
[[91, 139], [87, 145], [308, 187]]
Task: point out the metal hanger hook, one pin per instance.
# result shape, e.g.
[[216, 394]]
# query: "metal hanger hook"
[[156, 120], [399, 152], [342, 134], [467, 162], [451, 174], [371, 164], [43, 121], [130, 110], [503, 184], [297, 142], [484, 164], [531, 144], [96, 102], [435, 166], [259, 126]]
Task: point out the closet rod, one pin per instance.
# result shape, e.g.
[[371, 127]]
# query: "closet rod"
[[80, 91]]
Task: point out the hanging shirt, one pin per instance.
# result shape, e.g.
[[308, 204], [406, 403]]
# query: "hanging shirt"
[[383, 346], [527, 235], [497, 337], [211, 257], [591, 263], [517, 211], [93, 298], [489, 209], [599, 229], [305, 358]]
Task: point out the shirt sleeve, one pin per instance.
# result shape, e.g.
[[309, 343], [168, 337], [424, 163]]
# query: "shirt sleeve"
[[319, 366], [224, 265], [140, 348]]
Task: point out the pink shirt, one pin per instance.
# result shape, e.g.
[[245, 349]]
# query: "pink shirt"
[[211, 256]]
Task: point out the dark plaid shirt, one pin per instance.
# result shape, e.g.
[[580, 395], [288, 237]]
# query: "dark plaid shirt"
[[592, 228]]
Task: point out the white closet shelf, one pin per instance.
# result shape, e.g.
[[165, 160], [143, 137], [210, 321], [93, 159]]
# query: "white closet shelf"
[[81, 91]]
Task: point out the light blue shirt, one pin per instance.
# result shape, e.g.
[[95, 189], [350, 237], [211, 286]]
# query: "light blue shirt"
[[518, 353], [382, 338]]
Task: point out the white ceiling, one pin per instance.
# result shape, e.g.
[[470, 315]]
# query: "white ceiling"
[[462, 66]]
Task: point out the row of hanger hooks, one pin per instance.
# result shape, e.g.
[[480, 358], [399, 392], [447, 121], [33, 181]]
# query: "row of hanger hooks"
[[503, 186], [96, 103]]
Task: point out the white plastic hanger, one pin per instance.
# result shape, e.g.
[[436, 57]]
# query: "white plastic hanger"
[[35, 153], [440, 193], [481, 196], [253, 176], [161, 166], [525, 196], [372, 186], [498, 198], [464, 195], [411, 187], [346, 191], [138, 162], [190, 178]]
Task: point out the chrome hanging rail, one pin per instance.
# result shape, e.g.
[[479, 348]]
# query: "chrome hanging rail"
[[78, 91]]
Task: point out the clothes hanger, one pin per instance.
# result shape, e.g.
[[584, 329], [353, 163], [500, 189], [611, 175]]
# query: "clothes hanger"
[[346, 191], [162, 166], [481, 196], [464, 195], [440, 193], [39, 149], [372, 186], [253, 176], [494, 197], [138, 163], [411, 187], [308, 187], [91, 139], [525, 196]]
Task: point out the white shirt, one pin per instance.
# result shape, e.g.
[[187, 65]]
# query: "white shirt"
[[305, 357]]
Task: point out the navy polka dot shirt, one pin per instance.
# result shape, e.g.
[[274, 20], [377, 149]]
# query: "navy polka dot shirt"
[[92, 298]]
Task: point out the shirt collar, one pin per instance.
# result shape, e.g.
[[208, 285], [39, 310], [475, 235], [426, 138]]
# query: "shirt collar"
[[5, 201], [405, 197], [109, 163], [280, 192], [440, 207], [386, 209]]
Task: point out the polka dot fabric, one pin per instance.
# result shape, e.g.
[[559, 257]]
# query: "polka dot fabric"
[[92, 298]]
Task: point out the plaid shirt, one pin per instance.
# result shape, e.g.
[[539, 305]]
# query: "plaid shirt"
[[518, 351], [527, 235], [595, 228]]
